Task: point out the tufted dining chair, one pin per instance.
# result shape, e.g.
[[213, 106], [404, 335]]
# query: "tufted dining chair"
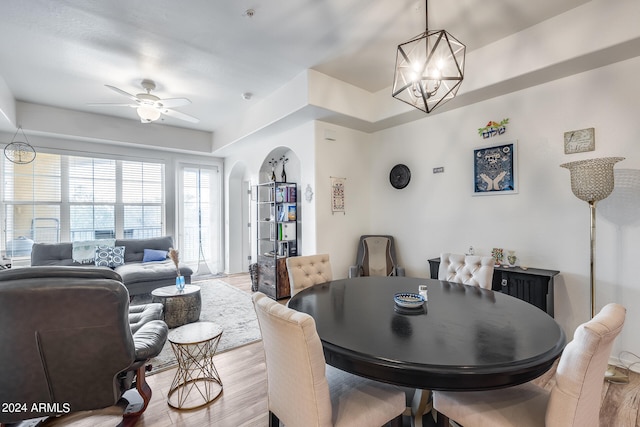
[[574, 400], [466, 269], [305, 271], [303, 391]]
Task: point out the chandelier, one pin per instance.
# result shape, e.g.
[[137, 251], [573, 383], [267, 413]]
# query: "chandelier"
[[429, 69]]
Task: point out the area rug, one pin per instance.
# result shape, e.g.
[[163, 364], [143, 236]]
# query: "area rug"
[[223, 304]]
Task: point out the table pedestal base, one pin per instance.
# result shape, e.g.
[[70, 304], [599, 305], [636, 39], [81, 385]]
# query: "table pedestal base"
[[421, 405]]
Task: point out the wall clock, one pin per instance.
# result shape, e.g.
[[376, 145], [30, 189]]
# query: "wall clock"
[[578, 141], [399, 176]]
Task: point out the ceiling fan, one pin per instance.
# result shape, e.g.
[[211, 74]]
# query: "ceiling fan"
[[150, 107]]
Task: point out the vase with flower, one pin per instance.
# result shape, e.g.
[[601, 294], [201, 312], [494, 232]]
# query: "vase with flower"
[[175, 257], [284, 161], [273, 163], [498, 255]]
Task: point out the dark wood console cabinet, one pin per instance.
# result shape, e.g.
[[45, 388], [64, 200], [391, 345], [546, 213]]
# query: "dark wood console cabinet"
[[273, 277], [533, 285]]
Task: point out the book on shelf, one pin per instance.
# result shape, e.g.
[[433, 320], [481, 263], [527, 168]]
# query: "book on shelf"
[[291, 214], [292, 248], [287, 231], [285, 194]]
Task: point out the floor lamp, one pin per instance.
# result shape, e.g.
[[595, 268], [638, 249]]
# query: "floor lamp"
[[592, 180]]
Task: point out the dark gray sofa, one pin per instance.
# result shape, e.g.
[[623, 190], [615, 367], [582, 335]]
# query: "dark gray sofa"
[[138, 277]]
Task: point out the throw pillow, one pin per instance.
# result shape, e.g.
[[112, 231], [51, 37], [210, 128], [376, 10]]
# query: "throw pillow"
[[84, 251], [151, 255], [109, 256]]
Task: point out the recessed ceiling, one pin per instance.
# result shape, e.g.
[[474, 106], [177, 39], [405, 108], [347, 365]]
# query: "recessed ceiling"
[[63, 53]]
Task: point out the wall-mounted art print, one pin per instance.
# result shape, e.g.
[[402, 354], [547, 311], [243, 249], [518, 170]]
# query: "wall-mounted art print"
[[337, 194], [493, 129], [494, 169], [579, 141]]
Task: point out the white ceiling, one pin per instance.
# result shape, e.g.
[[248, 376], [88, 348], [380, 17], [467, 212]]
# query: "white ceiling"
[[62, 53]]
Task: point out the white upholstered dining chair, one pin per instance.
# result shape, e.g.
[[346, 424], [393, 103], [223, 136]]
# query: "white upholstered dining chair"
[[466, 269], [302, 390], [574, 400], [305, 271]]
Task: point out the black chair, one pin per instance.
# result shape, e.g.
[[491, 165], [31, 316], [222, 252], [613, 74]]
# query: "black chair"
[[66, 344]]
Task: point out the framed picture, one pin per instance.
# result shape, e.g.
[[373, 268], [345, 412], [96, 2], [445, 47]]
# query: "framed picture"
[[494, 169], [578, 141]]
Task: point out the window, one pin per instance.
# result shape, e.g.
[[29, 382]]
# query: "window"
[[143, 199], [69, 198], [92, 198]]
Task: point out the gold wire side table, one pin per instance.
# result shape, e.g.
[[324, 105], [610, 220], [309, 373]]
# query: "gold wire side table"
[[197, 382]]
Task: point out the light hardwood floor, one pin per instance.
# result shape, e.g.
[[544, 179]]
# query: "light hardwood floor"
[[243, 401]]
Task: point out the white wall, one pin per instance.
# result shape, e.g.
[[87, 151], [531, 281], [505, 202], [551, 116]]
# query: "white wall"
[[300, 141], [544, 223], [349, 156]]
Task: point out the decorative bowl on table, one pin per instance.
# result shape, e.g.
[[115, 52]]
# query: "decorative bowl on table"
[[408, 300]]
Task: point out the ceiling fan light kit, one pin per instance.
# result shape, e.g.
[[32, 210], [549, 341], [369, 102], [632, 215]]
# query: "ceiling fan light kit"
[[148, 114], [150, 107], [429, 69]]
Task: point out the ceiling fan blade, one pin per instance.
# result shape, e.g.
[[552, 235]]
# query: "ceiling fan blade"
[[106, 104], [173, 102], [179, 115], [121, 92]]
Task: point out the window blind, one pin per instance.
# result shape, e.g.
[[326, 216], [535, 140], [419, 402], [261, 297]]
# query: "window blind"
[[70, 198]]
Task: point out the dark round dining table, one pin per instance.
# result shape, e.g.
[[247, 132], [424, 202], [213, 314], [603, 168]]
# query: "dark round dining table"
[[464, 338]]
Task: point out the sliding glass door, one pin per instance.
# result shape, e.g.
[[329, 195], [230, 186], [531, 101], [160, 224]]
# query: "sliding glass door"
[[200, 211]]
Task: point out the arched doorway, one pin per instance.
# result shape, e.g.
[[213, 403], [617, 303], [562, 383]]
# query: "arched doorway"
[[238, 220]]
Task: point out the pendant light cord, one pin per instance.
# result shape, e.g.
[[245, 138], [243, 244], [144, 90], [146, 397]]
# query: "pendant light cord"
[[426, 16]]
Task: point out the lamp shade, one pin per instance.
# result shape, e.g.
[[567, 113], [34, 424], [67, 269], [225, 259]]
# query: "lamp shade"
[[593, 179], [148, 114], [429, 70]]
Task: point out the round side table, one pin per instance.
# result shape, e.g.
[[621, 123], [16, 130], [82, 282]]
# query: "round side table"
[[197, 382], [180, 307]]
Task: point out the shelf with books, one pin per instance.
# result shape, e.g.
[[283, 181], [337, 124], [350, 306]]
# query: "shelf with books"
[[277, 233]]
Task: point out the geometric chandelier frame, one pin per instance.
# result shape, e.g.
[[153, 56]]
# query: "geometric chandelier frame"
[[429, 69]]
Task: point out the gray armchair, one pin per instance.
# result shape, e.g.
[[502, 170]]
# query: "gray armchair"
[[66, 344], [376, 257]]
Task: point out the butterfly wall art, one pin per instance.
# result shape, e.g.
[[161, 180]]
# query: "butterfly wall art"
[[494, 169]]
